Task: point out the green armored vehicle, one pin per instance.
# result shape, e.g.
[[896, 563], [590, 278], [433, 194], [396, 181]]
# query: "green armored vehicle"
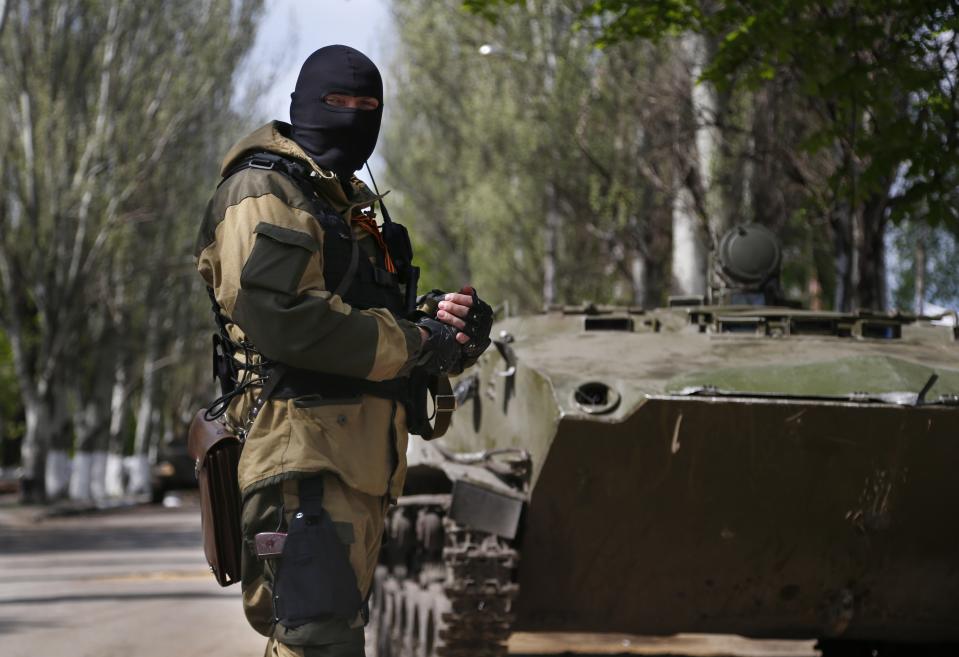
[[730, 465]]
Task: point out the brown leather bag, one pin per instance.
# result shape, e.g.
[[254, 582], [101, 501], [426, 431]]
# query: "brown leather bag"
[[217, 454]]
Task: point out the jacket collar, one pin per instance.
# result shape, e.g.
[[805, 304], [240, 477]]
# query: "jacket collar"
[[274, 137]]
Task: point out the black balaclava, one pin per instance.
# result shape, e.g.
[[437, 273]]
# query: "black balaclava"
[[337, 138]]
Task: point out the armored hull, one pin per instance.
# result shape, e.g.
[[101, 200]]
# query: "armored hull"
[[761, 471]]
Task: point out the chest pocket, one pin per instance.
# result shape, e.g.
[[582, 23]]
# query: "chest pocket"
[[278, 259]]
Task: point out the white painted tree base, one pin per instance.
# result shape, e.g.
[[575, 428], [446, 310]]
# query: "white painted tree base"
[[81, 477], [88, 477], [113, 482], [98, 474], [57, 474], [139, 475]]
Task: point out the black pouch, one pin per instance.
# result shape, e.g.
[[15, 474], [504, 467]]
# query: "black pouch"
[[315, 579]]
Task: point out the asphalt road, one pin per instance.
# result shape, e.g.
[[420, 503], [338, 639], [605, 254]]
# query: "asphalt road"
[[126, 582], [133, 582]]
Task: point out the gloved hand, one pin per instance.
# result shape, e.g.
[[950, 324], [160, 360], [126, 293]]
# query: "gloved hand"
[[478, 324], [441, 354], [473, 317]]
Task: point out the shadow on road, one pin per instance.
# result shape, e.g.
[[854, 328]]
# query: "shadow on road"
[[130, 529], [112, 597], [8, 626], [33, 540]]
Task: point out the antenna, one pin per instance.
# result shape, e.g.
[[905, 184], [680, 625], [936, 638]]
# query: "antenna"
[[386, 213]]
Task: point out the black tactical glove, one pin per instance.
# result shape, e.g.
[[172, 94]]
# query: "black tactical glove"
[[441, 352], [479, 322]]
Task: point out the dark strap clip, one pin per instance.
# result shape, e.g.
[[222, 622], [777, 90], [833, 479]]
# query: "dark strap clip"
[[262, 163], [383, 277]]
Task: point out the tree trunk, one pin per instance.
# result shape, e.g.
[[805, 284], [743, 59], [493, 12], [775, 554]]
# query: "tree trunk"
[[843, 250], [34, 447], [919, 302], [113, 484], [690, 205], [45, 469], [688, 254], [61, 440], [81, 478], [871, 254], [638, 278], [140, 473], [657, 250], [89, 461], [551, 230]]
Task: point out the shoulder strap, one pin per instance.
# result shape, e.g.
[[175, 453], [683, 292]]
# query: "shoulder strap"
[[299, 172]]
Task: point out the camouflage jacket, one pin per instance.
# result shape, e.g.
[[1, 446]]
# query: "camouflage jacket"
[[260, 250]]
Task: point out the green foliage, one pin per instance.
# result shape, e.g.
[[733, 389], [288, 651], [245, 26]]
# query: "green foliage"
[[880, 79], [116, 118], [941, 252], [492, 152], [883, 72]]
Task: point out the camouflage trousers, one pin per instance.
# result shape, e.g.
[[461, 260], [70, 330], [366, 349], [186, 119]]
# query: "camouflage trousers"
[[358, 522]]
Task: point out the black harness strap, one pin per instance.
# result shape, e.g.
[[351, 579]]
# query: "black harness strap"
[[311, 496], [227, 370], [299, 382]]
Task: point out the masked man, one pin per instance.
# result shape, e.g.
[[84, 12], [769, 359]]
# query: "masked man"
[[312, 303]]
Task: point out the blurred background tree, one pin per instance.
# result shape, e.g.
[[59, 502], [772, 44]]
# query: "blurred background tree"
[[830, 120], [116, 116]]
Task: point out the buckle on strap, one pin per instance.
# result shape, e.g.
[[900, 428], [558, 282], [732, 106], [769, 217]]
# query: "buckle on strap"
[[444, 403], [261, 163]]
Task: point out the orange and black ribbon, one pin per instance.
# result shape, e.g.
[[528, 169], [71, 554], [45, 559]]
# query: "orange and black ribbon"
[[368, 223]]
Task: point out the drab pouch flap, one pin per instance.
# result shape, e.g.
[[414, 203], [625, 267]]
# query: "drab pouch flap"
[[217, 455]]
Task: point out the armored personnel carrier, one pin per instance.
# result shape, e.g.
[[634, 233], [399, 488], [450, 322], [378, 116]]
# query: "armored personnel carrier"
[[732, 464]]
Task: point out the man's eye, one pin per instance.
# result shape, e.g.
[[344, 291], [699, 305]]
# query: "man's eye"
[[361, 102]]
